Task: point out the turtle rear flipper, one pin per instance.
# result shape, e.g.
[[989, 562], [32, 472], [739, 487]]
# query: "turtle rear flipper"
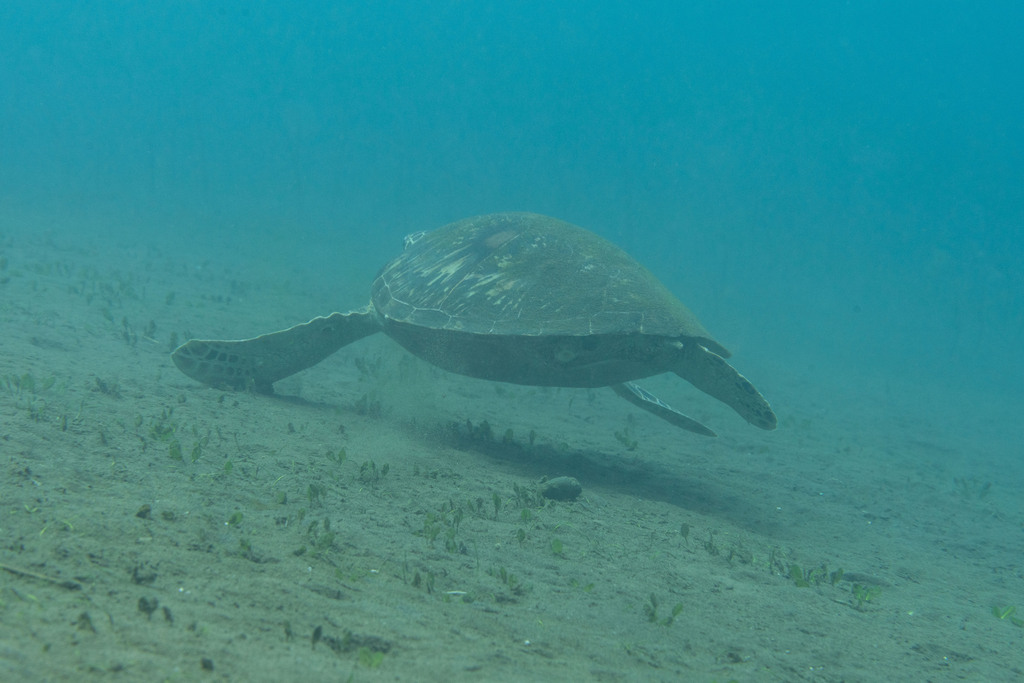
[[259, 362], [642, 398], [710, 373]]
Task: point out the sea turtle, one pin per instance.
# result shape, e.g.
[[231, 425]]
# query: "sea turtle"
[[512, 297]]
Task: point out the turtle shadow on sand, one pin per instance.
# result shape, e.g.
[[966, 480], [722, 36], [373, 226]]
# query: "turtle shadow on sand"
[[640, 478], [509, 297]]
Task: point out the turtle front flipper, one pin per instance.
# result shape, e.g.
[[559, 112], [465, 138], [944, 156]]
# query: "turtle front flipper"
[[710, 373], [259, 362], [642, 398]]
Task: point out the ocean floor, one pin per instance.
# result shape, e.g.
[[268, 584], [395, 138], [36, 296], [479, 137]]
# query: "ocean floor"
[[379, 519]]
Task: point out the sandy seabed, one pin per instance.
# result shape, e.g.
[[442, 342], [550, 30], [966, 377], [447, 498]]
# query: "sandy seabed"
[[378, 519]]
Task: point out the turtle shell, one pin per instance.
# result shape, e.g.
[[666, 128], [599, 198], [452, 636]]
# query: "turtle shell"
[[523, 274]]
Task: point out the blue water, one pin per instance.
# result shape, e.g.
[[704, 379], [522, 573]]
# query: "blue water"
[[836, 185]]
